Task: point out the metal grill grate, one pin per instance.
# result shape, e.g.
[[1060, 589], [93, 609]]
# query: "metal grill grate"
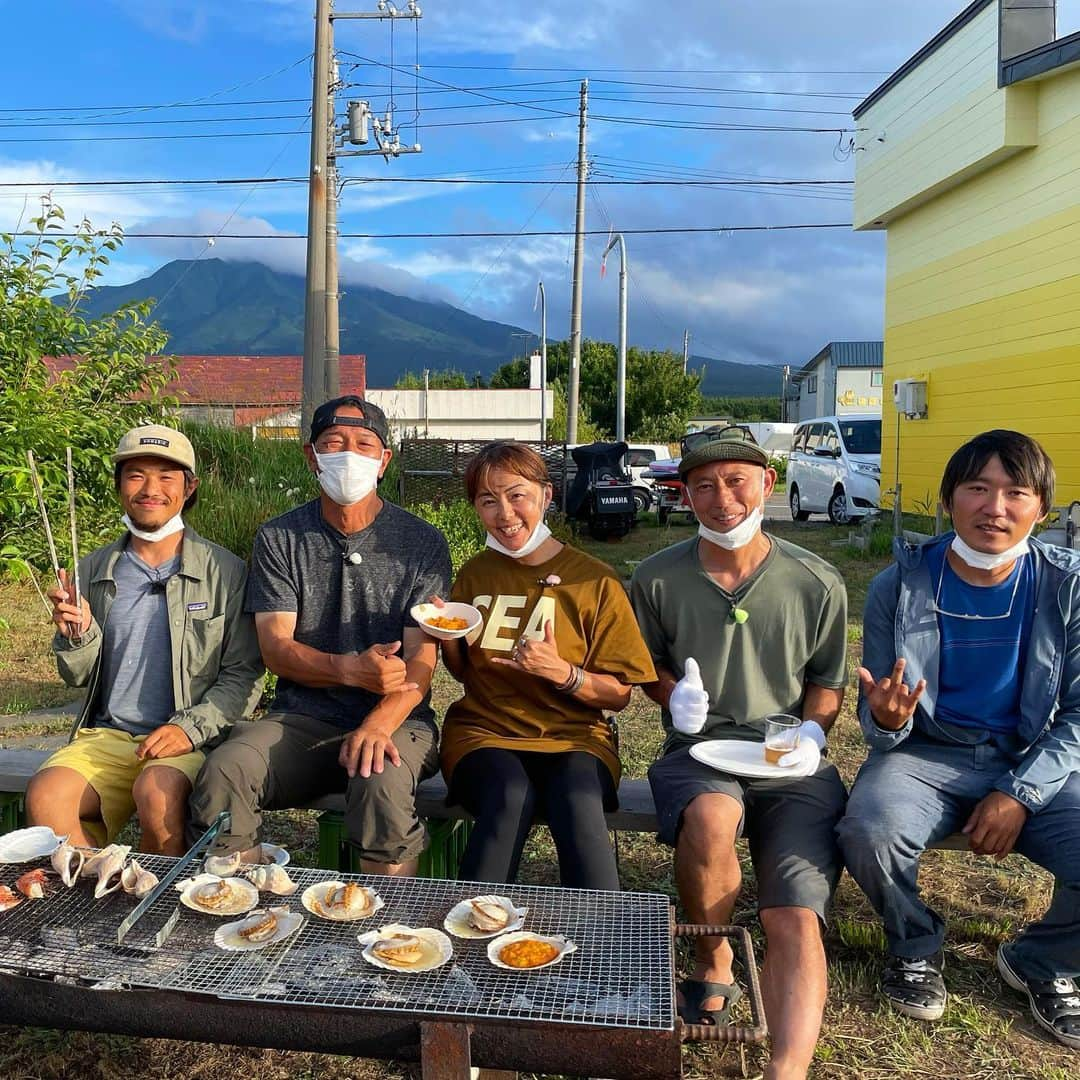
[[621, 975]]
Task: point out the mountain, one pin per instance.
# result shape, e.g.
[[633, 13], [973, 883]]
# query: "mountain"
[[211, 307]]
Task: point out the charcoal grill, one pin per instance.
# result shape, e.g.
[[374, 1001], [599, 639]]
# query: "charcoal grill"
[[607, 1009]]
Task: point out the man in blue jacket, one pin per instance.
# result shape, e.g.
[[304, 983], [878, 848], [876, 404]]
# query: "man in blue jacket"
[[970, 702]]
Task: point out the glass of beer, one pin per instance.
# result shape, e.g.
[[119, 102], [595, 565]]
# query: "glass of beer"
[[781, 736]]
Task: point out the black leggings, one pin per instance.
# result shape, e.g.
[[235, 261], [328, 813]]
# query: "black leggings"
[[505, 790]]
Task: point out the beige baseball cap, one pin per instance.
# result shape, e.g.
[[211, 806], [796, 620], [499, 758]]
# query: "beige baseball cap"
[[156, 440]]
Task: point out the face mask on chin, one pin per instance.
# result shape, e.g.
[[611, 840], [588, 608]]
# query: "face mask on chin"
[[539, 535], [980, 560], [347, 477], [173, 525], [741, 534]]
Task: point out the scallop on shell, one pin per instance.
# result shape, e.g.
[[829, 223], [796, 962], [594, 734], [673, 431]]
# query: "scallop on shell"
[[561, 946], [68, 861], [272, 878], [339, 901], [137, 880], [212, 895], [406, 949], [482, 917], [259, 930]]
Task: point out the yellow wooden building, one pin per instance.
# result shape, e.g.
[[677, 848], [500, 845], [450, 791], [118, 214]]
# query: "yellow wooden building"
[[969, 158]]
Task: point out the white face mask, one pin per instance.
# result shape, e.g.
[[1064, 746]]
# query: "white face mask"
[[173, 525], [539, 535], [979, 560], [347, 477], [741, 534]]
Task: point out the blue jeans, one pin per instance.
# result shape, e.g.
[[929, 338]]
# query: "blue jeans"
[[906, 799]]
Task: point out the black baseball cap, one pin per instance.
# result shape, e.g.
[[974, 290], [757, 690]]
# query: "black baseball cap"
[[373, 418]]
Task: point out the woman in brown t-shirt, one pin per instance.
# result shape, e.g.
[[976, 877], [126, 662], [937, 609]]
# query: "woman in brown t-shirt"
[[559, 646]]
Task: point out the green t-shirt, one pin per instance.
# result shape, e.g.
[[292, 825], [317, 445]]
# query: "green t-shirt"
[[796, 633]]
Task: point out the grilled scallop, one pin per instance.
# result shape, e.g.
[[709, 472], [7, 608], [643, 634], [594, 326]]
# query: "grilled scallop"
[[402, 950], [488, 917]]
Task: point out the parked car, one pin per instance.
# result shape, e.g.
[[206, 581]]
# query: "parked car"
[[835, 467], [639, 458]]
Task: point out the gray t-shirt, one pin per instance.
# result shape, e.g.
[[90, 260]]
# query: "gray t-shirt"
[[301, 564], [796, 633], [136, 649]]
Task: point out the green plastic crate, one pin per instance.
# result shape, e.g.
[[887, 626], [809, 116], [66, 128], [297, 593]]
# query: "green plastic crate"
[[447, 841], [11, 811]]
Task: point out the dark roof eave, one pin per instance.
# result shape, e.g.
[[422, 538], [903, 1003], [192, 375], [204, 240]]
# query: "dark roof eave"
[[1046, 58], [928, 49]]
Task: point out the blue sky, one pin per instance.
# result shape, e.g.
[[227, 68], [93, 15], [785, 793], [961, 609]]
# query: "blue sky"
[[242, 66]]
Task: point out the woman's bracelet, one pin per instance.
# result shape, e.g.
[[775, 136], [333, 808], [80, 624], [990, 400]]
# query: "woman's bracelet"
[[575, 682]]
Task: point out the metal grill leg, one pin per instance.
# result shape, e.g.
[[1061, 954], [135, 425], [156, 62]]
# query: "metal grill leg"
[[444, 1051]]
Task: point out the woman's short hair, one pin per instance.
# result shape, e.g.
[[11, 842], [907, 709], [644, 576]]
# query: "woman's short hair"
[[512, 457], [1026, 462]]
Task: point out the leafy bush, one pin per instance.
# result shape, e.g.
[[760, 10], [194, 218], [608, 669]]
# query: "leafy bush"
[[780, 465], [113, 384], [457, 521]]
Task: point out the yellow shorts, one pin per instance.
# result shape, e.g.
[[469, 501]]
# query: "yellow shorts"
[[105, 758]]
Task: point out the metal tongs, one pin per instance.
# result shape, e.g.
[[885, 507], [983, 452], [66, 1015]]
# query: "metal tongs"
[[74, 629]]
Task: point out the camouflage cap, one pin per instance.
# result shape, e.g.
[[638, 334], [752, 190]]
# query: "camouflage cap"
[[730, 444]]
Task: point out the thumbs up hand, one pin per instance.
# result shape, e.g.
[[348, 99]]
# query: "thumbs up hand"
[[689, 703]]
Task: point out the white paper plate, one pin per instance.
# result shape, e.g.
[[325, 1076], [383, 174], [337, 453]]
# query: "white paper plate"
[[273, 853], [245, 899], [227, 937], [742, 758], [457, 919], [316, 894], [437, 948], [24, 845], [495, 947], [422, 612]]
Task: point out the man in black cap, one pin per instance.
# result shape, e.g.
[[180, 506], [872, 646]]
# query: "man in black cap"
[[331, 586], [741, 626]]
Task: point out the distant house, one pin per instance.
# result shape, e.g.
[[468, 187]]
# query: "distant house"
[[845, 377], [967, 158]]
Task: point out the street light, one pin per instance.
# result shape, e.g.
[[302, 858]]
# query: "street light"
[[543, 359], [620, 370]]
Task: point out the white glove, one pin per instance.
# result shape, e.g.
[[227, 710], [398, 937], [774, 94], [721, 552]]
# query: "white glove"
[[689, 703], [807, 755]]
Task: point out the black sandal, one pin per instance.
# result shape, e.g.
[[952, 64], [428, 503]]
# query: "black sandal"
[[1055, 1003], [695, 991], [915, 987]]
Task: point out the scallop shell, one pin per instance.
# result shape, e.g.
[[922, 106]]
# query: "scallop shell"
[[228, 936], [68, 861], [222, 865], [245, 897], [272, 878], [561, 943], [138, 881], [314, 897], [457, 920], [436, 945]]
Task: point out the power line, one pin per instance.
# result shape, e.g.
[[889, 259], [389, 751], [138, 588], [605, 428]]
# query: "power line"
[[589, 72], [673, 230]]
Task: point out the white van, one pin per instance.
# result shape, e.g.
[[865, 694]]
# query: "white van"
[[835, 467], [638, 458]]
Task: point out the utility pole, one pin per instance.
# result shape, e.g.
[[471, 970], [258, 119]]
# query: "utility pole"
[[685, 350], [315, 293], [620, 369], [543, 362], [332, 369], [579, 258]]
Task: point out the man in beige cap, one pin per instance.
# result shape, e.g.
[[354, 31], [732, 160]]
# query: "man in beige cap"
[[164, 650], [742, 625]]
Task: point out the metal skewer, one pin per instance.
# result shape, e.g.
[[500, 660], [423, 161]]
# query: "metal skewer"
[[74, 544], [73, 629]]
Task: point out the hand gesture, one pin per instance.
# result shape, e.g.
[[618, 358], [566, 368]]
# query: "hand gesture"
[[539, 657], [689, 703], [367, 749], [994, 825], [890, 701], [167, 741], [70, 620], [377, 669]]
